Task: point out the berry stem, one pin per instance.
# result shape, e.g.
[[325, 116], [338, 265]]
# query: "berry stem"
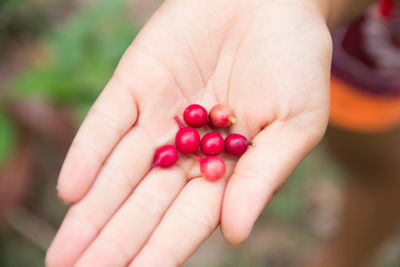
[[198, 158], [232, 119], [179, 122], [156, 163]]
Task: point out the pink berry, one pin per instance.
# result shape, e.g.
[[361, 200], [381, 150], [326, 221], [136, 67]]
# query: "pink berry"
[[212, 167], [165, 157], [236, 144], [212, 144], [195, 115], [221, 116], [187, 139]]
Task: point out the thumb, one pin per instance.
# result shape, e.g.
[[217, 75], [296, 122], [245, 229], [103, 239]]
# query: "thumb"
[[261, 171]]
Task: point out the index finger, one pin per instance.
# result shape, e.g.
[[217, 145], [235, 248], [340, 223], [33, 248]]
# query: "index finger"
[[112, 115]]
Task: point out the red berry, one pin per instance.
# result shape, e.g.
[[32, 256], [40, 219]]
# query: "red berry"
[[165, 157], [195, 115], [212, 167], [187, 139], [236, 144], [221, 116], [212, 144]]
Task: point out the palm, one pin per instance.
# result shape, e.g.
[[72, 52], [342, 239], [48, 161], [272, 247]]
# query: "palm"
[[272, 72]]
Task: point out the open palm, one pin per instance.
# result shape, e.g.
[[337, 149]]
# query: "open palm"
[[268, 60]]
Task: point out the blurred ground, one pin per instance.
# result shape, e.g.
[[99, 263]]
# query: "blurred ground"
[[56, 57]]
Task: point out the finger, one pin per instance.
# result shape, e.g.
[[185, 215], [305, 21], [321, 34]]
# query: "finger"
[[130, 227], [129, 161], [277, 150], [189, 221], [115, 182], [123, 170], [113, 113]]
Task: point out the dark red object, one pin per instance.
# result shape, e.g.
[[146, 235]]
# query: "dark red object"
[[165, 157], [195, 115], [362, 54], [212, 144], [187, 139], [236, 144], [212, 167]]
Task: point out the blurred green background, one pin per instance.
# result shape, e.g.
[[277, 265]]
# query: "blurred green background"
[[56, 56]]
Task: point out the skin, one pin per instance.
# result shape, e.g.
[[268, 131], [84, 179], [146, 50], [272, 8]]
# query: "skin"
[[273, 72]]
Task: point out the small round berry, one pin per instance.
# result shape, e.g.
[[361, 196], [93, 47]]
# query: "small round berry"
[[195, 115], [165, 157], [212, 168], [187, 140], [221, 116], [212, 144], [236, 144]]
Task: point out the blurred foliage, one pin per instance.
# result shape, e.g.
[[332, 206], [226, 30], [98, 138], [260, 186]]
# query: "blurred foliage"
[[290, 203], [81, 55], [20, 18], [8, 137], [12, 247]]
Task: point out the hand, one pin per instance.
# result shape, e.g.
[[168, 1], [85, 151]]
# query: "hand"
[[268, 60]]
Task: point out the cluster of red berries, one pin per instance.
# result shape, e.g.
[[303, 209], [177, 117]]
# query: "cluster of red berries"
[[187, 140]]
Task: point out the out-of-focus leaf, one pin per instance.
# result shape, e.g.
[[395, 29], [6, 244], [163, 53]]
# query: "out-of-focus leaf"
[[14, 246], [290, 202], [83, 52], [8, 137]]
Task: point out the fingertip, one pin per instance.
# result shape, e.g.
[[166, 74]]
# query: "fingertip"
[[244, 200], [62, 201], [233, 224], [76, 177], [65, 197], [68, 195], [67, 190], [70, 191], [232, 235]]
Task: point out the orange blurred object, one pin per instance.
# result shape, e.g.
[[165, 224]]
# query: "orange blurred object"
[[355, 110]]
